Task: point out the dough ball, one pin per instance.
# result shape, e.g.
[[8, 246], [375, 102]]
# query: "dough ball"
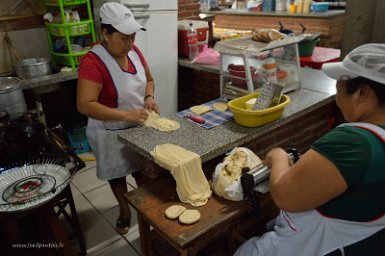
[[220, 106], [174, 211], [189, 217], [200, 110]]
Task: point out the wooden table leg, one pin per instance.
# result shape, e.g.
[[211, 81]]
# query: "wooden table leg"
[[47, 217], [145, 237]]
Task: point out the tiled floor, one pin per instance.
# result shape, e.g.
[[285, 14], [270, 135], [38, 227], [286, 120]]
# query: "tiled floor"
[[97, 210]]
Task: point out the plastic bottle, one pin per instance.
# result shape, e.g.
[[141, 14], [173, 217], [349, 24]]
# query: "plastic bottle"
[[192, 42], [204, 6], [213, 4], [270, 70], [280, 5]]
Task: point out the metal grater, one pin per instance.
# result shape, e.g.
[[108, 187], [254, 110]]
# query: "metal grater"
[[270, 95]]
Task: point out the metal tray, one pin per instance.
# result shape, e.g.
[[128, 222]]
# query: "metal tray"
[[30, 185]]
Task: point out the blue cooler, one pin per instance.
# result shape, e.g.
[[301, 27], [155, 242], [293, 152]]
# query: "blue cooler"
[[268, 6], [78, 140]]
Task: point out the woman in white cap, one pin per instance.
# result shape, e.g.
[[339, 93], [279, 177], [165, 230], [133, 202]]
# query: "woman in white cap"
[[115, 90], [333, 197]]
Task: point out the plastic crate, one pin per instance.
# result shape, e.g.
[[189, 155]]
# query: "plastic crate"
[[73, 29], [78, 140], [320, 7]]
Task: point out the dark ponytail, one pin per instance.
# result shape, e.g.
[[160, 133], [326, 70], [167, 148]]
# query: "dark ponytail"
[[354, 84], [110, 29]]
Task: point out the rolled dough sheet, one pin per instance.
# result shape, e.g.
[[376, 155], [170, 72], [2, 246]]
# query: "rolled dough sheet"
[[185, 166]]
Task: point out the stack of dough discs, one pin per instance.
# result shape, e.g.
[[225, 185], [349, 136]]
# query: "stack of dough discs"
[[189, 217], [174, 211], [200, 110]]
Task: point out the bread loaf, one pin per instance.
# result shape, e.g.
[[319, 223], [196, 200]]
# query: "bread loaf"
[[267, 35]]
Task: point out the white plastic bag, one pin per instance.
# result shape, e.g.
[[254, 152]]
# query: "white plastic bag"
[[227, 175]]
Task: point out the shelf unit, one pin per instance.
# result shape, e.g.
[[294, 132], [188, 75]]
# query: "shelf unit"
[[67, 32], [251, 55]]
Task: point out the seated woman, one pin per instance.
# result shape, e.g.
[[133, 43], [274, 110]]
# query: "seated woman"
[[333, 198]]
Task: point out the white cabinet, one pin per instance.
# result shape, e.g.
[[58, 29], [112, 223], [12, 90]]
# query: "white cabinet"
[[159, 46]]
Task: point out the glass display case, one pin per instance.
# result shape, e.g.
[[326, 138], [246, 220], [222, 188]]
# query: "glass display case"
[[246, 65]]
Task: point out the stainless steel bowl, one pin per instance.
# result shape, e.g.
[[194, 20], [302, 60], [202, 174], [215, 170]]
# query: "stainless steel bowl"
[[11, 97], [35, 67]]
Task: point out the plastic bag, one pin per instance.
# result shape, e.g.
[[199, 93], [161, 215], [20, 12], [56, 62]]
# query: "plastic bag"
[[207, 56], [227, 175]]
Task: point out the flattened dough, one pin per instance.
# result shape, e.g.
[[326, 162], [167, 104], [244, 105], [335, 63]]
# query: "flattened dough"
[[200, 110], [189, 217], [161, 123], [174, 211], [220, 106]]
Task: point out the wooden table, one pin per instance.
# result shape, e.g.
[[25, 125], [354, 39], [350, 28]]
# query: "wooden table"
[[218, 217]]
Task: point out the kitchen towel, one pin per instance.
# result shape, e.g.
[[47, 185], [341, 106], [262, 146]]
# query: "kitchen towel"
[[212, 118]]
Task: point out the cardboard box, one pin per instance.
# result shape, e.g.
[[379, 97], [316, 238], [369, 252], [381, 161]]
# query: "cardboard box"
[[202, 29]]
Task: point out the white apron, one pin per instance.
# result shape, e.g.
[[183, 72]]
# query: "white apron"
[[309, 233], [110, 153]]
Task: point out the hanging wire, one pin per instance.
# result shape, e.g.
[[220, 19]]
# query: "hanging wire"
[[11, 48]]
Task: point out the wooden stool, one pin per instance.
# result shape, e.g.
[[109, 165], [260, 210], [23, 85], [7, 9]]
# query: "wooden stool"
[[219, 217]]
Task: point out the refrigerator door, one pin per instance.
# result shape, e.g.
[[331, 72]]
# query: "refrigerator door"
[[150, 4], [159, 46]]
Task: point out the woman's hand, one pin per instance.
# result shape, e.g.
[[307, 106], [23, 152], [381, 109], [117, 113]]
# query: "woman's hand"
[[138, 115], [150, 104], [275, 155]]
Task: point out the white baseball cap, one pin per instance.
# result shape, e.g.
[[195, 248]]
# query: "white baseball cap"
[[367, 61], [120, 17]]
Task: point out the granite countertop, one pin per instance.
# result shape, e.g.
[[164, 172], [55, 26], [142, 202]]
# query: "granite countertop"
[[317, 90], [246, 12], [49, 79], [207, 68]]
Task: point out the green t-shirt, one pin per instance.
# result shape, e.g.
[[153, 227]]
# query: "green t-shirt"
[[360, 157]]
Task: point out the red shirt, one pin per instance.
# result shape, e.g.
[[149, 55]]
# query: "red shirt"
[[92, 68]]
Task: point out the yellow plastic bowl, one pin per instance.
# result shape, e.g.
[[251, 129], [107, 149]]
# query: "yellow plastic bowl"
[[253, 118]]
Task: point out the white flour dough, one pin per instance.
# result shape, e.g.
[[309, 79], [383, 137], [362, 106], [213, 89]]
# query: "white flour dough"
[[220, 106], [161, 123], [185, 166], [199, 110], [174, 211], [189, 217], [226, 178]]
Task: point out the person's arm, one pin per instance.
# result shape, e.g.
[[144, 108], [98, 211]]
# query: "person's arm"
[[149, 95], [87, 103], [309, 183]]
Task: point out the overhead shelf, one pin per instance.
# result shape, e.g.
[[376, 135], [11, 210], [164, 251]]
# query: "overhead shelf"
[[10, 23]]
